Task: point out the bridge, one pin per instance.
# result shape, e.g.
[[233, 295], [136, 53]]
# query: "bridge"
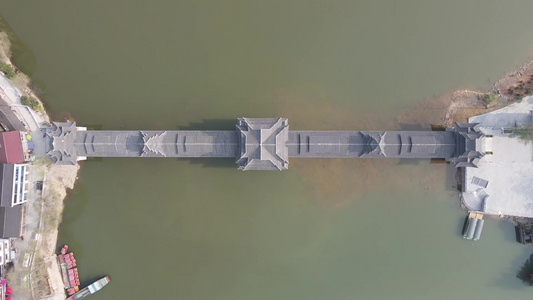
[[263, 144]]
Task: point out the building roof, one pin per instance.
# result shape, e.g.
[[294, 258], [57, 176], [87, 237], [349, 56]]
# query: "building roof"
[[63, 135], [6, 184], [263, 144], [11, 148], [10, 221], [68, 143], [372, 144]]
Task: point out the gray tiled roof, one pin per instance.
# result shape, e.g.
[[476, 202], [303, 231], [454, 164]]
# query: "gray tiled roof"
[[6, 184], [10, 221], [372, 144], [265, 144]]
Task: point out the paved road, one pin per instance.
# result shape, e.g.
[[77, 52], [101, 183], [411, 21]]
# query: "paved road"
[[9, 119], [11, 96]]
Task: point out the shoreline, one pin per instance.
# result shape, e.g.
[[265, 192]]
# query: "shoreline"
[[462, 102], [36, 264]]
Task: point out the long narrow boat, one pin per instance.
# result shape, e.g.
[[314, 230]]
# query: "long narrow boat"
[[90, 289]]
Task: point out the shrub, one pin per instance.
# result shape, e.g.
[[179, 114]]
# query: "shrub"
[[31, 102], [489, 100], [7, 69], [25, 101]]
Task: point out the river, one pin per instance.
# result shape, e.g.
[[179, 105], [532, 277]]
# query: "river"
[[324, 229]]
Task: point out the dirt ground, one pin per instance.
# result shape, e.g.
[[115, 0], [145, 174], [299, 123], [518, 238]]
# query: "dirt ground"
[[516, 84], [36, 252], [58, 180], [4, 49]]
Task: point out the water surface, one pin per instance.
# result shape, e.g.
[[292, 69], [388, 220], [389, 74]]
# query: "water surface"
[[325, 229]]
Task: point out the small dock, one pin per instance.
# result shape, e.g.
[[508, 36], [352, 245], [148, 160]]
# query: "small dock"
[[524, 233], [473, 226]]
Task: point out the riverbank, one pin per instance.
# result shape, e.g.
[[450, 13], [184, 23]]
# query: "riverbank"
[[459, 105], [35, 274], [512, 87]]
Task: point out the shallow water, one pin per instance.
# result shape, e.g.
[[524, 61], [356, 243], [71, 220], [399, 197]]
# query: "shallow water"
[[324, 229]]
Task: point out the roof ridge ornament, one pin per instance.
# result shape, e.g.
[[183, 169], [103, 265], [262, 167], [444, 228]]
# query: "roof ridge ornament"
[[153, 143]]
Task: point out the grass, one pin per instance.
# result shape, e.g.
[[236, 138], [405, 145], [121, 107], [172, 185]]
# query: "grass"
[[8, 70]]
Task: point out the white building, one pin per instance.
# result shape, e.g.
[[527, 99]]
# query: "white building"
[[14, 184], [5, 252]]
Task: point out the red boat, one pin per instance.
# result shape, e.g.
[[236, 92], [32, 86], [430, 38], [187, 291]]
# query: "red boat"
[[67, 264]]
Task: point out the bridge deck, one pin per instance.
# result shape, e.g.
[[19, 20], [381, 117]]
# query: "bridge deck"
[[369, 144], [156, 143], [263, 144]]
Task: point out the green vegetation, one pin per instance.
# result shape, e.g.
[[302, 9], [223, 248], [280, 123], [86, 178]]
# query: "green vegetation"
[[524, 133], [8, 70], [31, 102], [489, 100], [25, 101], [526, 272]]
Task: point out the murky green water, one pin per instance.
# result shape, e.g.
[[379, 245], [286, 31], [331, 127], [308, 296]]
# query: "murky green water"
[[325, 229]]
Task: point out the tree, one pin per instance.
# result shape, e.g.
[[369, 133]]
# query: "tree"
[[526, 272], [524, 133], [25, 101], [489, 99]]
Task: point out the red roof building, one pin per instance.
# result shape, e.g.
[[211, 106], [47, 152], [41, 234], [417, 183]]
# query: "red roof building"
[[11, 148]]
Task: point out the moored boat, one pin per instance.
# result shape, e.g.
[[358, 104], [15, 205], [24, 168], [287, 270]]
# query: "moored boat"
[[90, 289], [69, 272]]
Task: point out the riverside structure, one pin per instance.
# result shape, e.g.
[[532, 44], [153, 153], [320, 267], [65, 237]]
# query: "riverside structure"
[[263, 144]]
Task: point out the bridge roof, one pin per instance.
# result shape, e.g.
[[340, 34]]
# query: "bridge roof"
[[263, 144]]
